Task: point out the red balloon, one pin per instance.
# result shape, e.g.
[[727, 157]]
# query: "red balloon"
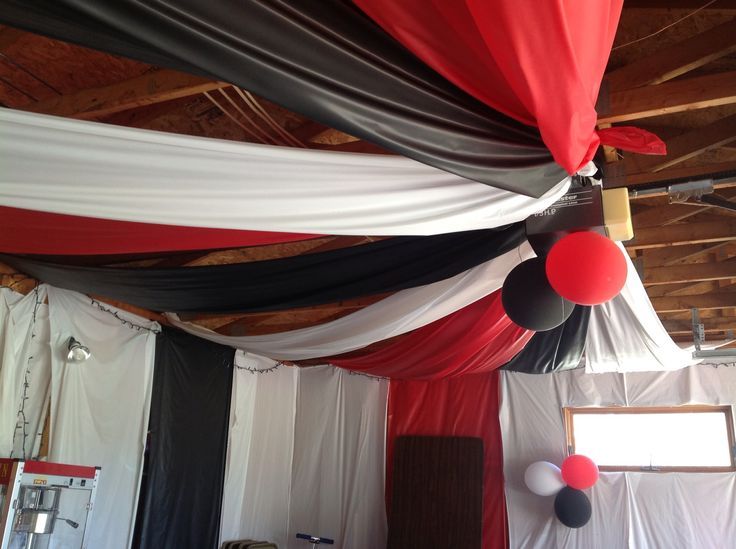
[[579, 472], [586, 268]]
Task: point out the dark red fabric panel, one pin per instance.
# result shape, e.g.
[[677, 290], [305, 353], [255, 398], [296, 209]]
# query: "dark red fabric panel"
[[477, 338], [464, 406], [33, 232], [539, 62]]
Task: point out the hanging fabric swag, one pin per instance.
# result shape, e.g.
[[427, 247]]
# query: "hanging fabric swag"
[[325, 60], [397, 314], [555, 350], [33, 232], [127, 174], [192, 385], [477, 338], [511, 53], [311, 279]]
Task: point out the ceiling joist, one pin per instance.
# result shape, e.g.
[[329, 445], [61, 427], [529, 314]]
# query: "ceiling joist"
[[696, 272], [671, 304], [687, 233]]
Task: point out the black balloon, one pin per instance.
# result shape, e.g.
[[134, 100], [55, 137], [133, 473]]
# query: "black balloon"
[[572, 507], [530, 301]]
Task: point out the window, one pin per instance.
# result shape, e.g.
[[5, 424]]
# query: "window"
[[681, 438]]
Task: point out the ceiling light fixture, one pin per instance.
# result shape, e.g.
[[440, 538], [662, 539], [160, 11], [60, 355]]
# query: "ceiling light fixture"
[[77, 351]]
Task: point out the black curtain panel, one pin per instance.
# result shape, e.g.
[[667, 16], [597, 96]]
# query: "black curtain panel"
[[383, 266], [190, 407], [323, 59], [555, 350]]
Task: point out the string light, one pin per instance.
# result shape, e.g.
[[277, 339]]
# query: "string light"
[[260, 371], [122, 320]]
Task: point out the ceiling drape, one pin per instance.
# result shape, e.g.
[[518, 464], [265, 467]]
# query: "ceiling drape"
[[325, 60], [311, 279]]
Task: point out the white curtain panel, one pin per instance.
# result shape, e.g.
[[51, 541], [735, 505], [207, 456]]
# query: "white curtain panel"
[[98, 170], [398, 314], [24, 358], [100, 407], [306, 455], [626, 335], [630, 510]]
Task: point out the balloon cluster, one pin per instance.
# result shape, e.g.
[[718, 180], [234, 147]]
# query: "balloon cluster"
[[583, 267], [572, 506]]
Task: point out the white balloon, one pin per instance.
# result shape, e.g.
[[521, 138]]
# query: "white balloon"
[[544, 478]]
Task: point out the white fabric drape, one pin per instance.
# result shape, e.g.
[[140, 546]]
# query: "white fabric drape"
[[100, 407], [98, 170], [630, 510], [626, 335], [397, 314], [24, 357], [306, 454]]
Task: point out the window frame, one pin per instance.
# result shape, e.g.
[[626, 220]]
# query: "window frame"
[[727, 410]]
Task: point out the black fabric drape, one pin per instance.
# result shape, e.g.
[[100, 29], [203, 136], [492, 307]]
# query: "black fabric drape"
[[554, 350], [299, 281], [324, 59], [190, 407]]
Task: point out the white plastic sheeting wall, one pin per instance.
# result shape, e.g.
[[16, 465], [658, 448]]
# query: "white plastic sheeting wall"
[[100, 407], [306, 454], [24, 357], [630, 510]]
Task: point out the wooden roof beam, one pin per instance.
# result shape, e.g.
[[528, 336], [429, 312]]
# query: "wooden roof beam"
[[670, 97], [615, 177], [687, 146], [670, 304], [676, 59], [687, 233], [711, 325], [695, 272], [148, 89]]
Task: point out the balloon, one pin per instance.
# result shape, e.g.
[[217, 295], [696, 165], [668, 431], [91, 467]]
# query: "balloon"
[[579, 471], [543, 478], [572, 507], [530, 301], [586, 268]]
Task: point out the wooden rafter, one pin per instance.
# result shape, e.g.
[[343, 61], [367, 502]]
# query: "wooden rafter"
[[677, 96], [668, 304], [155, 87], [703, 272], [675, 60], [615, 177], [686, 233], [686, 146], [711, 325]]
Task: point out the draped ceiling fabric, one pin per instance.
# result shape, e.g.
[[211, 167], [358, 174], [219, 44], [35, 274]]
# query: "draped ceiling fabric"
[[631, 509], [626, 335], [99, 408], [323, 474], [192, 384], [325, 60], [510, 54], [478, 338], [555, 350], [33, 232], [25, 357], [465, 406], [80, 168], [311, 279], [398, 314]]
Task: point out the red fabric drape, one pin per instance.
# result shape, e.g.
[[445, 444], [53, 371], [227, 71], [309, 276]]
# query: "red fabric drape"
[[463, 406], [477, 338], [33, 232], [539, 62]]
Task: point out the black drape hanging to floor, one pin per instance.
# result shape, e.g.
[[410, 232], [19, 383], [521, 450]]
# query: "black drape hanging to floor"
[[190, 407], [554, 350], [324, 59], [312, 279]]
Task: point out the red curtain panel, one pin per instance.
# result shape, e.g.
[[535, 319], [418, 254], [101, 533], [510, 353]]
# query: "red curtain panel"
[[34, 232], [541, 63], [477, 338], [463, 406]]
